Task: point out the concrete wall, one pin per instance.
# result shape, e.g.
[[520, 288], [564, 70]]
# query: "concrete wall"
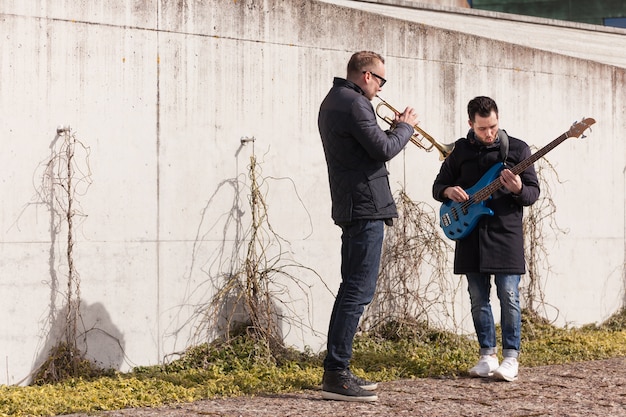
[[161, 93]]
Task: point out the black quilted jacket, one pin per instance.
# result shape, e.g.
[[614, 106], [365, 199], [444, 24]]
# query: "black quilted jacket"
[[356, 150]]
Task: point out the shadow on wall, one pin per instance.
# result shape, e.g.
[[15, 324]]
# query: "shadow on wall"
[[226, 280], [98, 338]]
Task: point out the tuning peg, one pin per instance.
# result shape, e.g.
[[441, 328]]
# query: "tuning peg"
[[583, 136]]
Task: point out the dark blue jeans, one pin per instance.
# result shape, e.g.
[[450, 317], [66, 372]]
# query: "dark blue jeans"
[[507, 288], [361, 247]]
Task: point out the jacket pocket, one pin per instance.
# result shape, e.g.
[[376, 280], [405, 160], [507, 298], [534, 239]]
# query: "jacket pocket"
[[380, 193]]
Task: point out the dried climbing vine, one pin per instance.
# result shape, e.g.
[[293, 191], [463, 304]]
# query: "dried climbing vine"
[[539, 219], [413, 282], [257, 295], [65, 178]]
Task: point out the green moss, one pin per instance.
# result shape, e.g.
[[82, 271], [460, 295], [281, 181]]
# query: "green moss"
[[245, 366]]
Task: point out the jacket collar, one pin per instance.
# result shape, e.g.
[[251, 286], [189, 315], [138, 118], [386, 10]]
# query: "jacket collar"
[[342, 82], [472, 139]]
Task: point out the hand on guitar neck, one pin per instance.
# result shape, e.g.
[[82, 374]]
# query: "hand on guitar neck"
[[511, 182]]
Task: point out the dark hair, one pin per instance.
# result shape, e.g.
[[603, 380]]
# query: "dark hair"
[[481, 105], [362, 61]]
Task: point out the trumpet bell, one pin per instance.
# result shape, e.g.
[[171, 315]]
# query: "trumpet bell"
[[445, 150]]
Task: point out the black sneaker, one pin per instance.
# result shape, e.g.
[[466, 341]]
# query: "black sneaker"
[[366, 385], [340, 385]]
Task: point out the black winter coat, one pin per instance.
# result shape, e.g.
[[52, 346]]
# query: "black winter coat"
[[496, 245], [356, 150]]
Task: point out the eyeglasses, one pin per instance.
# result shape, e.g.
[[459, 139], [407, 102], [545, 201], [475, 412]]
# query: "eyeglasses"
[[381, 79]]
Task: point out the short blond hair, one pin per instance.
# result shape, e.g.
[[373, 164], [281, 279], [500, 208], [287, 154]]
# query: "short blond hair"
[[362, 61]]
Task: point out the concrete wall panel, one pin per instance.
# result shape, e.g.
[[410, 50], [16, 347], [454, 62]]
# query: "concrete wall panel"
[[162, 93]]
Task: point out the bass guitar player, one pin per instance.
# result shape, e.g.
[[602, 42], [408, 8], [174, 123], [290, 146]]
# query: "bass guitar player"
[[494, 245]]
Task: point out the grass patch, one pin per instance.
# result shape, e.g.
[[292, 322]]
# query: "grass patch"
[[245, 367]]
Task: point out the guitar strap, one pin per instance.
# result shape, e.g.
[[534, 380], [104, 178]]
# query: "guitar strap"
[[504, 145]]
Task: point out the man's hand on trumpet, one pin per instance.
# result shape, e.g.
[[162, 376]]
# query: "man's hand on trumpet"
[[407, 116]]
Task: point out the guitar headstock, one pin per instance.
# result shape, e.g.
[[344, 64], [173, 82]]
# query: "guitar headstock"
[[578, 128]]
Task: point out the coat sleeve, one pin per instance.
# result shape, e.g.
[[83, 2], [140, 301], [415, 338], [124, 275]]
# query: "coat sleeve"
[[379, 144], [445, 178], [530, 183]]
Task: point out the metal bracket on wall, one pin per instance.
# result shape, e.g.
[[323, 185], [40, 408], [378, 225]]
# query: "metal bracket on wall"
[[245, 139]]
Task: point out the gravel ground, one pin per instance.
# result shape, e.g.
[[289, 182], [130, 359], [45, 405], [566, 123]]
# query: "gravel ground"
[[595, 388]]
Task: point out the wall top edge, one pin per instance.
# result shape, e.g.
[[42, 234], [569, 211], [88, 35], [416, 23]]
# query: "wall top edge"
[[417, 5]]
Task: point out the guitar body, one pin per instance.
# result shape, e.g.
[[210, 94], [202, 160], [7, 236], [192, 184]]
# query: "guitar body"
[[459, 219]]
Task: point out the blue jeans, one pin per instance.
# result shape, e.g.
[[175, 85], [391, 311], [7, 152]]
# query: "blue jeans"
[[507, 288], [361, 248]]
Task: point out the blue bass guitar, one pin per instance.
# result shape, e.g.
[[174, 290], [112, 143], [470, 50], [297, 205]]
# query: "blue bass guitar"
[[459, 219]]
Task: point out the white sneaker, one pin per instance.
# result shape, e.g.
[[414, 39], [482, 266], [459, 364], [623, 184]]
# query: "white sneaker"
[[508, 370], [485, 366]]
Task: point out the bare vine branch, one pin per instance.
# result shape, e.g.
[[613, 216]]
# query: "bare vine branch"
[[262, 288], [539, 219], [413, 283], [65, 178]]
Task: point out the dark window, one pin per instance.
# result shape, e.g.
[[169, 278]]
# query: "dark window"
[[618, 22]]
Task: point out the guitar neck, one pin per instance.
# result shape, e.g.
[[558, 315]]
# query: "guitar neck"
[[521, 167], [495, 185]]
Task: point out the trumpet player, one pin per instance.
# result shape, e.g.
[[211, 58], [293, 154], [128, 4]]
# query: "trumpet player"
[[356, 151]]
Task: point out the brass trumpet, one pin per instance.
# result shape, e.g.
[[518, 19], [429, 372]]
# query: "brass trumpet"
[[444, 150]]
